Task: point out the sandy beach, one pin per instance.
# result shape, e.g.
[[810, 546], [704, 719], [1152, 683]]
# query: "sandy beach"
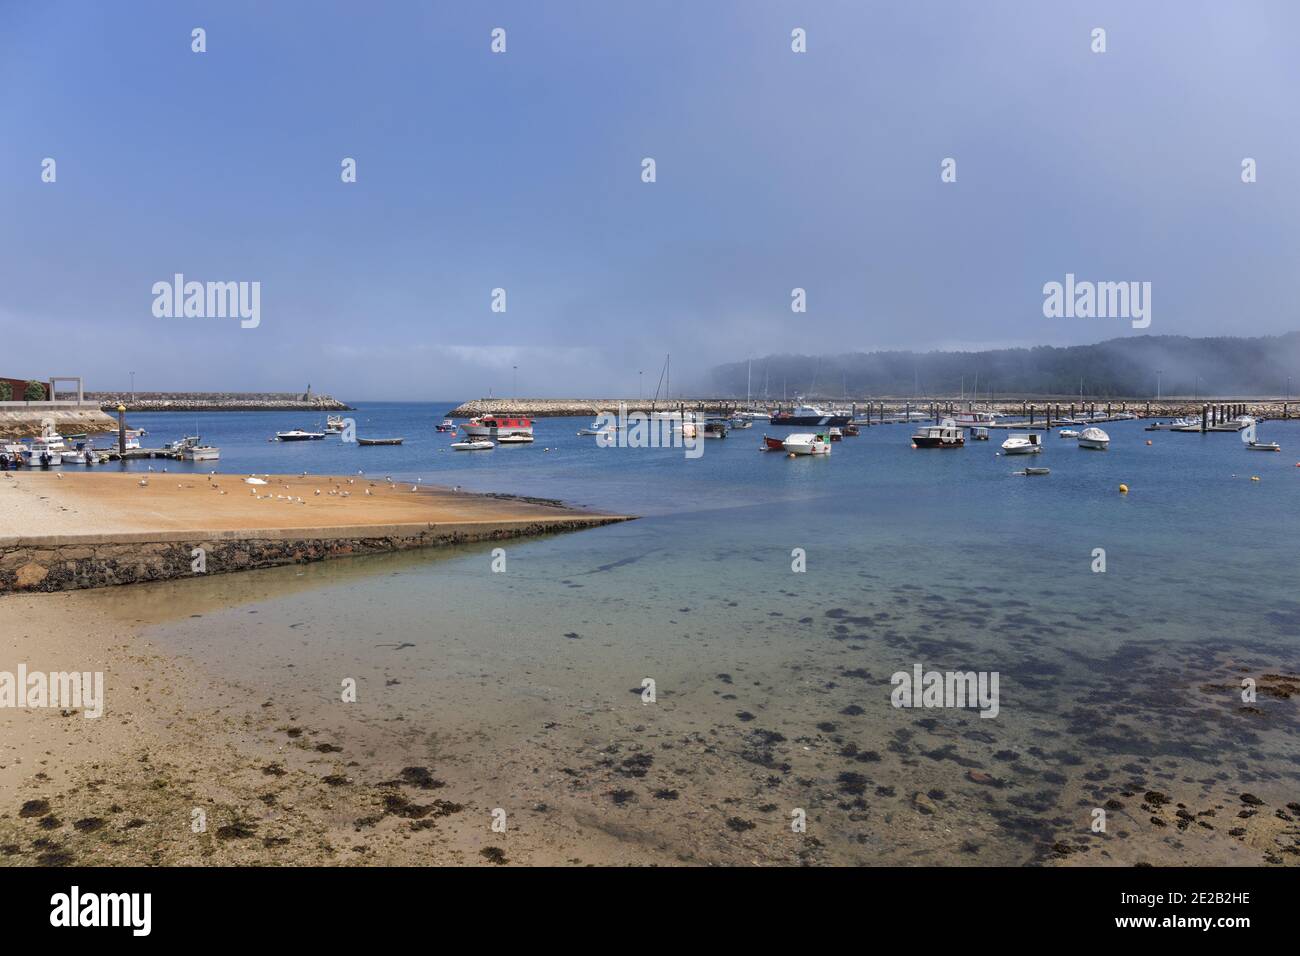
[[57, 503]]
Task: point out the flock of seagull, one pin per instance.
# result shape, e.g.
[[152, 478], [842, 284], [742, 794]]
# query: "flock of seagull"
[[338, 489]]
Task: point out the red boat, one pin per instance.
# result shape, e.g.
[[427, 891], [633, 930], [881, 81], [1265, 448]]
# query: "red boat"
[[773, 444], [497, 426]]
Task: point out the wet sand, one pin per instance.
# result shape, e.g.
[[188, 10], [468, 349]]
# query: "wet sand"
[[69, 503], [446, 732]]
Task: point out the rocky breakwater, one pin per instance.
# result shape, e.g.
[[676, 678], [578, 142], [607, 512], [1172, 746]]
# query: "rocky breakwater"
[[16, 423], [580, 407], [217, 401]]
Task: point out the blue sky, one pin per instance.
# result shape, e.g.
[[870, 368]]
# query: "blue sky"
[[522, 171]]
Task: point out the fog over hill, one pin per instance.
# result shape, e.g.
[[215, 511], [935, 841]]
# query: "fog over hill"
[[1124, 367]]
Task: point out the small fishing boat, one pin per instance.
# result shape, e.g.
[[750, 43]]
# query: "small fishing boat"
[[379, 441], [851, 430], [1068, 433], [1033, 471], [200, 453], [1248, 438], [773, 444], [715, 428], [495, 426], [979, 433], [297, 434], [44, 453], [446, 425], [947, 434], [835, 434], [807, 443], [516, 439], [740, 421], [473, 444], [1094, 438], [334, 424], [1027, 444]]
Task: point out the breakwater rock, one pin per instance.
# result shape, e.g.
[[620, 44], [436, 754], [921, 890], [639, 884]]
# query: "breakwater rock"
[[26, 423], [579, 407], [218, 401]]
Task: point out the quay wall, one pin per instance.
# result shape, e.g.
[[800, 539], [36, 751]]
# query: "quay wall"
[[71, 562]]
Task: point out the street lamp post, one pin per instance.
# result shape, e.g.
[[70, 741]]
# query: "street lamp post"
[[1159, 372], [133, 388], [638, 384], [514, 384]]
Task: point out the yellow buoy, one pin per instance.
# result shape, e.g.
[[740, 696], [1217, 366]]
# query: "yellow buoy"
[[1123, 489], [1254, 477]]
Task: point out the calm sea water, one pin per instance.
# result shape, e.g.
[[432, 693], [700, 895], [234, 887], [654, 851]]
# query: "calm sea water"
[[1110, 682]]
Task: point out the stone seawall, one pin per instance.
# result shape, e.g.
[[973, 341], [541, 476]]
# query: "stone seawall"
[[217, 402], [70, 562]]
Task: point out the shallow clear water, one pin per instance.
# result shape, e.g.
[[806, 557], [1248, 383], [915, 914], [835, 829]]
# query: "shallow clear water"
[[1109, 682]]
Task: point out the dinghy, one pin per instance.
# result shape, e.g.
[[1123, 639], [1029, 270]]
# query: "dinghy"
[[477, 444]]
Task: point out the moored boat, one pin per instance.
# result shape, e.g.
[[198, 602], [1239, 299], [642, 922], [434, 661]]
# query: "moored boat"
[[1094, 438], [494, 426], [809, 415], [1068, 433], [773, 444], [947, 434], [477, 444], [1023, 444], [379, 441], [516, 439], [297, 434], [807, 443], [715, 428]]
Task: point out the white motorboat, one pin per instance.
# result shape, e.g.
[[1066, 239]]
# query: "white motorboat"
[[1248, 437], [1025, 444], [297, 434], [42, 453], [476, 444], [334, 424], [1094, 438], [807, 443], [516, 439], [1068, 433], [197, 452]]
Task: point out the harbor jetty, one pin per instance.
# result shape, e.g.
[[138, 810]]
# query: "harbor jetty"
[[94, 530], [888, 410], [218, 401]]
